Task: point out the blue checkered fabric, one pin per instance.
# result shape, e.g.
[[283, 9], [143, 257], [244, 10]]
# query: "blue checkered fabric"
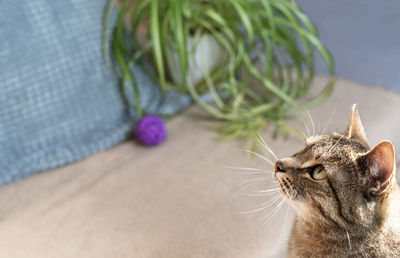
[[59, 102]]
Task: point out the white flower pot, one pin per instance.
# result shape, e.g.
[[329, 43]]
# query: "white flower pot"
[[205, 55]]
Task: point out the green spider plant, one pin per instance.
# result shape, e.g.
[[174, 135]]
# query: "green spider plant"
[[268, 65]]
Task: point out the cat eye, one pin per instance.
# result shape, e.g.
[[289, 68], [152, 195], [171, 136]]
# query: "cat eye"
[[319, 173]]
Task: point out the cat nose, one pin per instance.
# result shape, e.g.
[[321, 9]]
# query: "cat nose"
[[279, 167]]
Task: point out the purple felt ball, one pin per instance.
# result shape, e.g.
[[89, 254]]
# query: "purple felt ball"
[[151, 130]]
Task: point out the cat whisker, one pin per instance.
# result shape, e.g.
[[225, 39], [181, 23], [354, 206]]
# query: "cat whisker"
[[264, 192], [329, 120], [269, 190], [297, 194], [312, 120], [269, 217], [272, 200], [260, 156], [348, 237], [244, 168], [247, 171], [319, 128], [270, 203], [261, 194], [255, 179], [331, 148], [307, 129], [286, 218], [261, 140], [293, 191], [244, 185]]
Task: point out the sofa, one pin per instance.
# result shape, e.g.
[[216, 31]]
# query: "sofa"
[[179, 199]]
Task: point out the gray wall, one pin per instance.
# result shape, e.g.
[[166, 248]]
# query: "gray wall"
[[363, 37]]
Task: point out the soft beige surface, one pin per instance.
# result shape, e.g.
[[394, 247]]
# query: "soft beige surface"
[[175, 200]]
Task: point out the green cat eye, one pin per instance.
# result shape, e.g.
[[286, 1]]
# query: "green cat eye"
[[319, 173]]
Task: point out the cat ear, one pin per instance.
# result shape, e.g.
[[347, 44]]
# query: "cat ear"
[[379, 167], [356, 129]]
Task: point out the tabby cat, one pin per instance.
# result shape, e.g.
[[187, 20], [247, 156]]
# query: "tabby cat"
[[345, 196]]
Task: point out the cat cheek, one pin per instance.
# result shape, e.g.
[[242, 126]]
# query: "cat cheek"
[[339, 179]]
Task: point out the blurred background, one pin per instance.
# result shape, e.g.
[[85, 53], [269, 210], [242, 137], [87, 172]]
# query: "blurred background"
[[363, 37], [101, 193]]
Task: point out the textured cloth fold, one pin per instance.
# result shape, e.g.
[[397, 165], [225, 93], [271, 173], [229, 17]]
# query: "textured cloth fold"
[[59, 102]]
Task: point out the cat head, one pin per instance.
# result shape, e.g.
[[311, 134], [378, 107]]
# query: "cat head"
[[338, 178]]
